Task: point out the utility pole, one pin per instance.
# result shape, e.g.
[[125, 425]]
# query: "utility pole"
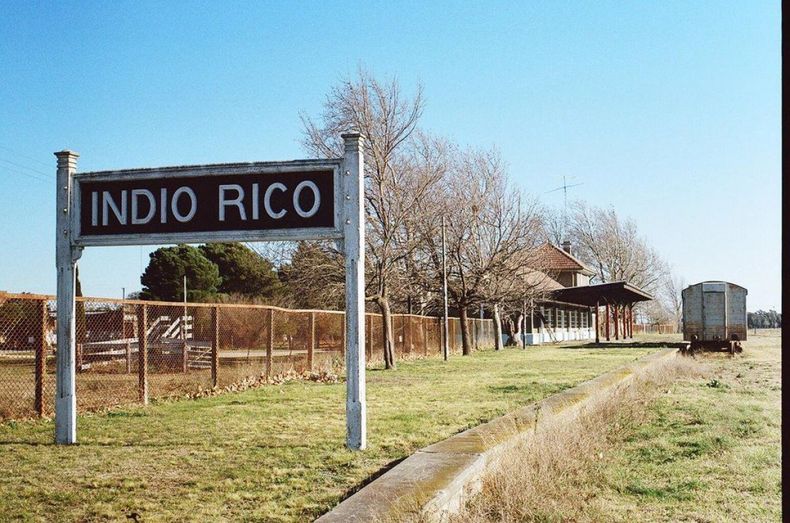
[[184, 321], [445, 326]]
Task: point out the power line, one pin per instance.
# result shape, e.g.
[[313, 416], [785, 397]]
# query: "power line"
[[48, 175], [44, 164], [33, 176]]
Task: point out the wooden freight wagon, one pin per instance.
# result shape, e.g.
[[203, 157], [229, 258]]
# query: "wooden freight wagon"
[[714, 316]]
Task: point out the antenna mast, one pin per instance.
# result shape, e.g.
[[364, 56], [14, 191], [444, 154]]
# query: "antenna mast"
[[565, 188]]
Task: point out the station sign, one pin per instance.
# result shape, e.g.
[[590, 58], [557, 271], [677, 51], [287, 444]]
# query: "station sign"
[[313, 199], [246, 202]]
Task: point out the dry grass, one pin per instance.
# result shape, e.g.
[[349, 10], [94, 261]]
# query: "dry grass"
[[553, 475], [701, 445]]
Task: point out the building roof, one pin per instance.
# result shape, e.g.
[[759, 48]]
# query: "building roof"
[[617, 292], [542, 281], [556, 259]]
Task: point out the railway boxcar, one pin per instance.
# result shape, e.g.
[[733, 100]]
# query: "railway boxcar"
[[714, 316]]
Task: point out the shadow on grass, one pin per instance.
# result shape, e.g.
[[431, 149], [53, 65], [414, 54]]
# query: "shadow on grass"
[[370, 479]]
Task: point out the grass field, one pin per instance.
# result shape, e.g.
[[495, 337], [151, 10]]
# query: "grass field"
[[707, 449], [699, 442], [272, 454]]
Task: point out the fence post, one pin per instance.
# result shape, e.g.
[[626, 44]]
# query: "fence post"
[[270, 345], [128, 357], [343, 336], [439, 331], [424, 336], [142, 353], [41, 357], [214, 346], [311, 344], [407, 341], [184, 349], [369, 337]]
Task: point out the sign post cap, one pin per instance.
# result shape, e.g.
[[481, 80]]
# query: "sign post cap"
[[67, 152]]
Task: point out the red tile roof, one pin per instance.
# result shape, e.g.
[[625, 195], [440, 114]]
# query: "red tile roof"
[[556, 259]]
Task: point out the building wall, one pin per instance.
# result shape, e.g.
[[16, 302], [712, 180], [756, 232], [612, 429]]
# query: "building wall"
[[572, 279], [565, 323], [565, 278]]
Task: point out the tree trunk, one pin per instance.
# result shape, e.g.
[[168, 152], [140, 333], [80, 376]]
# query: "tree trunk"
[[510, 329], [465, 342], [497, 328], [517, 336], [386, 326]]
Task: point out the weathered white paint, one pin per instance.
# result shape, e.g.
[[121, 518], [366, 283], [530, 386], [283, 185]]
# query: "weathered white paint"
[[348, 234], [354, 248], [66, 256]]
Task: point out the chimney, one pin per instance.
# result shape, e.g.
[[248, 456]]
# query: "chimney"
[[566, 246]]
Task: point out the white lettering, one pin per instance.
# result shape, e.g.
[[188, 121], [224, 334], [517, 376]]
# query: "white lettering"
[[163, 205], [316, 202], [235, 201], [255, 206], [94, 208], [136, 193], [267, 200], [109, 203], [193, 204]]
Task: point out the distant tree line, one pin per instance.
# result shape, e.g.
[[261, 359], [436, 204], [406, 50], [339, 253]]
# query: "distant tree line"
[[764, 319]]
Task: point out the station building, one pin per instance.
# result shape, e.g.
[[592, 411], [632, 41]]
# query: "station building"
[[572, 308]]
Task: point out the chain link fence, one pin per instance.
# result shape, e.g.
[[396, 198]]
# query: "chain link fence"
[[655, 328], [132, 351]]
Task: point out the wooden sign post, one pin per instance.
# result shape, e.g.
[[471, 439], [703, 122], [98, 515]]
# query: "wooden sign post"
[[262, 201]]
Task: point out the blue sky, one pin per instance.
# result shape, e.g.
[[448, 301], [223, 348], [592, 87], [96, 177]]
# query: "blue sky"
[[669, 111]]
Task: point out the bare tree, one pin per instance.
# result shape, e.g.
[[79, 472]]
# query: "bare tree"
[[614, 249], [492, 230], [313, 276], [387, 120], [555, 229], [671, 295]]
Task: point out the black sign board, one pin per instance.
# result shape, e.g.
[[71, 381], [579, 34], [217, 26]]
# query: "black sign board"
[[191, 205]]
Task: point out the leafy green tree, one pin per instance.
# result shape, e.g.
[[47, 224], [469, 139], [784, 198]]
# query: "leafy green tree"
[[242, 271], [163, 279]]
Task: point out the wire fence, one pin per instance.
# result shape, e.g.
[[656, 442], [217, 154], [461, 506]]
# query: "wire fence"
[[655, 328], [130, 351]]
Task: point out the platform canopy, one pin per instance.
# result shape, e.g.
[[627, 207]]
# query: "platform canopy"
[[618, 292]]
